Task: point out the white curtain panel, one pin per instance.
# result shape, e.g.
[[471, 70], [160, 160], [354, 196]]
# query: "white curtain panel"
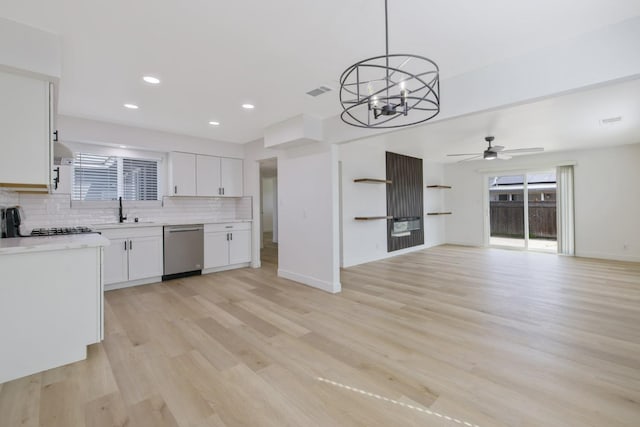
[[565, 210]]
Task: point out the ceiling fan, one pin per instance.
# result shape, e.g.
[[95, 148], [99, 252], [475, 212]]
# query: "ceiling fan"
[[496, 152]]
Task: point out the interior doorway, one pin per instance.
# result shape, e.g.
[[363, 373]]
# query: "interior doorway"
[[522, 211], [269, 212]]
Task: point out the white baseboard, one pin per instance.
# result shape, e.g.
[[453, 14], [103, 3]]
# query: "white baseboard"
[[225, 268], [121, 285], [333, 288], [612, 257], [392, 254], [467, 244]]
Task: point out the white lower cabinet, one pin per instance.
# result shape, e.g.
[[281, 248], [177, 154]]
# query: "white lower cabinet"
[[50, 308], [116, 260], [135, 254], [240, 247], [226, 245]]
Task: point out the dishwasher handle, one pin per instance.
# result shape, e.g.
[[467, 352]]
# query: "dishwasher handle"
[[180, 230]]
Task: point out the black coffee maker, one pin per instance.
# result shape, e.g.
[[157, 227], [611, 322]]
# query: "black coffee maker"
[[11, 222]]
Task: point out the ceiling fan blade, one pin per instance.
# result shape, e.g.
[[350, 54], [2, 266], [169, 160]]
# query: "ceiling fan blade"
[[524, 150], [497, 148], [465, 154], [503, 157], [479, 156]]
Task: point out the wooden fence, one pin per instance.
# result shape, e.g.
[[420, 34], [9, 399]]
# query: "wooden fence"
[[507, 219]]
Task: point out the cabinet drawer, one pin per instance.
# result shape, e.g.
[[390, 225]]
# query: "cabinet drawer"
[[232, 226]]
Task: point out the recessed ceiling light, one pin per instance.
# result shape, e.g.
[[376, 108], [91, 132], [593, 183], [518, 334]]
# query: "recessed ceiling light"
[[212, 123], [151, 80], [123, 146], [131, 106], [248, 106]]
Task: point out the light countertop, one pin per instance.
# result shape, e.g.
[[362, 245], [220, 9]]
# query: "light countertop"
[[132, 224], [17, 245]]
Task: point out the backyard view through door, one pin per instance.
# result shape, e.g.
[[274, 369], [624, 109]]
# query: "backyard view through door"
[[523, 202]]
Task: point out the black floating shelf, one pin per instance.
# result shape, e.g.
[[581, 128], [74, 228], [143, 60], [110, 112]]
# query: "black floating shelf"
[[438, 186], [438, 213], [372, 181], [371, 218]]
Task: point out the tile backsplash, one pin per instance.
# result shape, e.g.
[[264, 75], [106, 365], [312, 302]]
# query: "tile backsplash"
[[53, 210]]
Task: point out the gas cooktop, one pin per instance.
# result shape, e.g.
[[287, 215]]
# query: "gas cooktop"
[[60, 231]]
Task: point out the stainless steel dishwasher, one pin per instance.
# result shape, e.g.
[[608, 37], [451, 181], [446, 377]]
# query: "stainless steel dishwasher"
[[183, 250]]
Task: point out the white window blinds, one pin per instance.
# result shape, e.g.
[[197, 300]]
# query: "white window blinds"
[[140, 179], [95, 177], [99, 177]]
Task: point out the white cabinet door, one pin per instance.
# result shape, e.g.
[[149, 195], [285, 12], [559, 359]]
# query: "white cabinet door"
[[182, 174], [208, 176], [216, 250], [145, 257], [24, 130], [115, 261], [231, 177], [240, 247]]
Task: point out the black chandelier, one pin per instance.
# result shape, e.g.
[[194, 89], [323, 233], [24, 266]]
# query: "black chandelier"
[[380, 92]]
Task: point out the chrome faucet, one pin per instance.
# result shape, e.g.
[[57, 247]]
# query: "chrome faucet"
[[121, 217]]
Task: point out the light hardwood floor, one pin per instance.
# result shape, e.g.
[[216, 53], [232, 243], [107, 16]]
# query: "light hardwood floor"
[[449, 336]]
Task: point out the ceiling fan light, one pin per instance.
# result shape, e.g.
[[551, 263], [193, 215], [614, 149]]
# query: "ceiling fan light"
[[490, 155]]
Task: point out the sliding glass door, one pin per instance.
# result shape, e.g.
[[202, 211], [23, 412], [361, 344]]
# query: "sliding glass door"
[[506, 211], [522, 211]]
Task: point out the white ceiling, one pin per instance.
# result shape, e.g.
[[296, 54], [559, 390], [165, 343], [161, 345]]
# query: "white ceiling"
[[212, 56], [561, 123]]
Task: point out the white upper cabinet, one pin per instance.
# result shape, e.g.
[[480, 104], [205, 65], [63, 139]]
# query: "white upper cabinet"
[[206, 176], [231, 177], [182, 174], [25, 161]]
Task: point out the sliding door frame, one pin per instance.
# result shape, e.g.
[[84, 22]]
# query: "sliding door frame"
[[487, 203]]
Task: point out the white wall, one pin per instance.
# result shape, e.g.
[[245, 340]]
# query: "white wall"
[[564, 67], [253, 153], [366, 241], [29, 49], [275, 210], [607, 202], [268, 199], [308, 243], [74, 129], [307, 211]]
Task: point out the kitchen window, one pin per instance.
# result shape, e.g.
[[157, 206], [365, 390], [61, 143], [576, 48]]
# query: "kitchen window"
[[100, 177]]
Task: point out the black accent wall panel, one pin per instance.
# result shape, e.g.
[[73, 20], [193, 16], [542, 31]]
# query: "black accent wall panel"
[[404, 199]]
